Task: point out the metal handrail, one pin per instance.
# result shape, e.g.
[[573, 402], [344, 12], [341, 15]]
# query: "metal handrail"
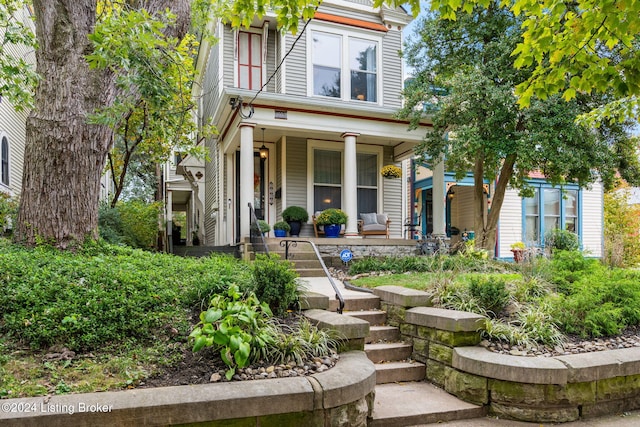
[[286, 242], [255, 235]]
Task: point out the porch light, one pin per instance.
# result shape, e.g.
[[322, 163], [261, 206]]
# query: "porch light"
[[451, 193], [264, 151]]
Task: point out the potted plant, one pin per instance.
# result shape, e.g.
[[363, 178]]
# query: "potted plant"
[[295, 216], [263, 226], [518, 251], [280, 229], [332, 220]]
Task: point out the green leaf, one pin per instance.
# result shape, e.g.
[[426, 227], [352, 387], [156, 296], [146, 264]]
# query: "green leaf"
[[200, 343], [230, 373], [212, 315]]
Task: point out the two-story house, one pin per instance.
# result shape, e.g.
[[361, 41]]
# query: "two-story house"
[[305, 120]]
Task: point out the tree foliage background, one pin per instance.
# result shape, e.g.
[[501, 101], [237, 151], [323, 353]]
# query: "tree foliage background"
[[465, 81]]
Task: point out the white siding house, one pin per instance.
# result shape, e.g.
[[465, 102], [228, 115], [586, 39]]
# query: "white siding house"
[[326, 119], [13, 127]]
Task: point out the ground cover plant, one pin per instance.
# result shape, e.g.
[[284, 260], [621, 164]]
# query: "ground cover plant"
[[543, 301], [108, 317]]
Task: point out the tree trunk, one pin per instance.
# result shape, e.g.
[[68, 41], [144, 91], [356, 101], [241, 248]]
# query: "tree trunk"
[[487, 238], [64, 155]]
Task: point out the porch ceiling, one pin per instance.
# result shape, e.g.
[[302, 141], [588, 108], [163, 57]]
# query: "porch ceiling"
[[319, 119], [180, 198]]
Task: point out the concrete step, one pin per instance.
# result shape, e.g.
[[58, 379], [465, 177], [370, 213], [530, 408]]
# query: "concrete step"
[[388, 352], [360, 302], [306, 263], [415, 403], [310, 272], [383, 333], [393, 372], [374, 317], [296, 256]]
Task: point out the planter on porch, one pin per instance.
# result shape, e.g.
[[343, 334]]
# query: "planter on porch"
[[332, 230]]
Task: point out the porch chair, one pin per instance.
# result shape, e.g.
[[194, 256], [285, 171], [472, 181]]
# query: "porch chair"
[[373, 224]]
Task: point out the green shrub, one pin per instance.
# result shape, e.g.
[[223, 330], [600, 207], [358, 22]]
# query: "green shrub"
[[110, 224], [561, 240], [600, 304], [274, 282], [490, 292], [621, 225], [295, 213], [133, 223], [236, 326], [104, 294], [569, 266], [84, 303], [139, 223]]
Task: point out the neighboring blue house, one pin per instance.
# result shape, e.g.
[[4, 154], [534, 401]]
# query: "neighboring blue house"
[[521, 219]]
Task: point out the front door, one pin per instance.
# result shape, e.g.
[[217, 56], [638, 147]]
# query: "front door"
[[259, 179]]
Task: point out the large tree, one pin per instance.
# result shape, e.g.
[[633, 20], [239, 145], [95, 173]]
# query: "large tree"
[[574, 47], [68, 135], [465, 81]]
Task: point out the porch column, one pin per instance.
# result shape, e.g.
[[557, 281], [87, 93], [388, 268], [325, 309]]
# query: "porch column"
[[246, 176], [439, 201], [350, 186]]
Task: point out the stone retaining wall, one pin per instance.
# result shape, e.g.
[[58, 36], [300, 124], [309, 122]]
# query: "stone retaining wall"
[[539, 389], [341, 396]]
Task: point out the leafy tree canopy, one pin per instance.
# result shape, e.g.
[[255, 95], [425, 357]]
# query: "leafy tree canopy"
[[465, 81], [574, 48]]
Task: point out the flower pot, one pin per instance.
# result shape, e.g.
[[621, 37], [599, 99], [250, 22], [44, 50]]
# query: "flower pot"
[[280, 233], [332, 230], [295, 228], [518, 255]]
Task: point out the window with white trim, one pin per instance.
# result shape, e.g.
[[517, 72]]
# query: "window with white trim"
[[367, 182], [344, 66], [327, 180], [249, 60], [4, 162], [550, 208]]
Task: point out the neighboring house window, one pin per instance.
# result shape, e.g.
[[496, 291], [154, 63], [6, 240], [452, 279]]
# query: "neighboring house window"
[[327, 180], [4, 166], [367, 183], [249, 60], [550, 208], [344, 66]]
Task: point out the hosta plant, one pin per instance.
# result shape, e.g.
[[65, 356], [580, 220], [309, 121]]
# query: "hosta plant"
[[235, 325]]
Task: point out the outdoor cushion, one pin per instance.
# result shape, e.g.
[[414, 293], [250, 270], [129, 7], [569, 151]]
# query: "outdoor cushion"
[[377, 227], [381, 218], [369, 218]]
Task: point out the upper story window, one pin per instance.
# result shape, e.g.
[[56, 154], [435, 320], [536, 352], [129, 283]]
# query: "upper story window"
[[363, 62], [4, 165], [249, 60], [345, 66]]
